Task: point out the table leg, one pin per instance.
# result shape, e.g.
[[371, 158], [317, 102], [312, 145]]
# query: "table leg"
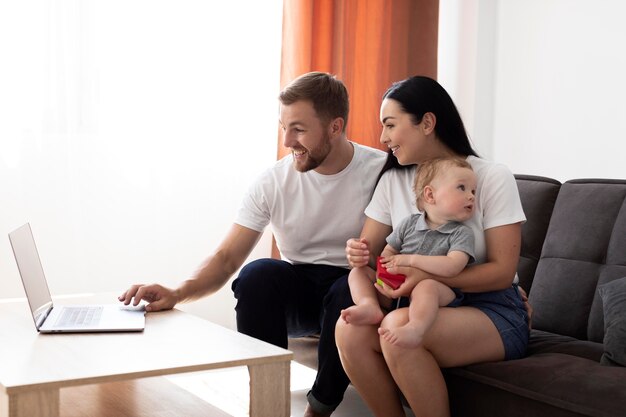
[[41, 403], [270, 389]]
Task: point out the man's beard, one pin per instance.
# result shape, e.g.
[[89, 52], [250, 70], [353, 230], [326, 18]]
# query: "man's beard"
[[314, 157]]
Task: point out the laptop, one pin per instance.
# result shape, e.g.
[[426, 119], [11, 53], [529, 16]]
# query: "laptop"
[[51, 318]]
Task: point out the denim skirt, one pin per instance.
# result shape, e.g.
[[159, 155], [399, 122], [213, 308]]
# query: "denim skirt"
[[507, 311]]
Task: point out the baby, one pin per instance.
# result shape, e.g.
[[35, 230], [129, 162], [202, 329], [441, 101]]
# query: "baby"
[[435, 242]]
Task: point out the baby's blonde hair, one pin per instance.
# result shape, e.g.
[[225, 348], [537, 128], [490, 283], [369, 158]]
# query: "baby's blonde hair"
[[427, 171]]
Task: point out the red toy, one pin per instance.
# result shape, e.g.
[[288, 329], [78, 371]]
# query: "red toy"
[[392, 280]]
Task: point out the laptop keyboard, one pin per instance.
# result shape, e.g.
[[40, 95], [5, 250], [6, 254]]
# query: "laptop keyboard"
[[79, 316]]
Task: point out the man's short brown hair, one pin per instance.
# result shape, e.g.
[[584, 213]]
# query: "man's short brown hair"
[[328, 95]]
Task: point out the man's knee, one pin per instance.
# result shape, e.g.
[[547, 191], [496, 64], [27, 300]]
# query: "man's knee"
[[256, 278], [338, 296]]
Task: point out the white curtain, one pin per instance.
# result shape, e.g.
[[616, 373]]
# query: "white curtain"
[[129, 130]]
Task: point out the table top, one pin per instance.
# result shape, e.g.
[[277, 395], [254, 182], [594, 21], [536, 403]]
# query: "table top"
[[172, 342]]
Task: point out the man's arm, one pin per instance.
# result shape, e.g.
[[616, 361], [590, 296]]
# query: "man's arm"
[[210, 277], [221, 265]]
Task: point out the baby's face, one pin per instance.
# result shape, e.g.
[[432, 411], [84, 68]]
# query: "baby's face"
[[454, 191]]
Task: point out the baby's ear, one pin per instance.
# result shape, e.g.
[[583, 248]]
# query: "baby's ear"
[[428, 195]]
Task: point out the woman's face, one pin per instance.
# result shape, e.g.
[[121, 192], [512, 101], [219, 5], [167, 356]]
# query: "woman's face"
[[410, 143]]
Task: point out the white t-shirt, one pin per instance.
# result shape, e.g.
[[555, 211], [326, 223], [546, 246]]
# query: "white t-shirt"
[[497, 200], [313, 215]]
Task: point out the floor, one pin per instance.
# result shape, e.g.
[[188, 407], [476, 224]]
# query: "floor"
[[223, 390], [227, 390], [219, 393]]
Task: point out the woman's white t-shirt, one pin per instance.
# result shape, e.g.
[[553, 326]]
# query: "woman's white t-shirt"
[[497, 200]]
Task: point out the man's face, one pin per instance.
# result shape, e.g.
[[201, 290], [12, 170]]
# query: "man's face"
[[305, 134]]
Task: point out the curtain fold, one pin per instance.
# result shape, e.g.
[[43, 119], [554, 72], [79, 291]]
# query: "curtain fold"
[[368, 44]]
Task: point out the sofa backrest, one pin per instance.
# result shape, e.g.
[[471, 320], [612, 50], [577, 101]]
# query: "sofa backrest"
[[538, 195], [585, 246]]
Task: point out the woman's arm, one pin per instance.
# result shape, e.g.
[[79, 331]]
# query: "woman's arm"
[[388, 251], [497, 273]]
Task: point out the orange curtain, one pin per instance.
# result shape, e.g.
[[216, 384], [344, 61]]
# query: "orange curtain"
[[368, 44]]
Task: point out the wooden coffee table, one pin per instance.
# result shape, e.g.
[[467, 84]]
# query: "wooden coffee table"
[[34, 367]]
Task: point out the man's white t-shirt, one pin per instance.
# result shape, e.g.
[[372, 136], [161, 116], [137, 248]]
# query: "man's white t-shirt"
[[497, 200], [313, 215]]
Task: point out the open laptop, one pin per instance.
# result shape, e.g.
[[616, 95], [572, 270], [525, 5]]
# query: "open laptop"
[[51, 318]]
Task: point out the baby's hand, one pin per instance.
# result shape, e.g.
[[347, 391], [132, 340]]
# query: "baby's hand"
[[384, 278], [357, 252], [387, 261], [393, 261]]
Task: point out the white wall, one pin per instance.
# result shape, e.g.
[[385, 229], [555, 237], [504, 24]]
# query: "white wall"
[[121, 121], [552, 101], [129, 131], [466, 64]]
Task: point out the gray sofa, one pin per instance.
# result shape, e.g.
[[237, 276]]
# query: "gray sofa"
[[573, 259]]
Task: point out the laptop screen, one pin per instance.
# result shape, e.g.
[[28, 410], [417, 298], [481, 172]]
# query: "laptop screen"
[[31, 271]]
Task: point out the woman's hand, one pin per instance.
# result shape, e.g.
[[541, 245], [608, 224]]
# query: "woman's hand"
[[357, 252], [529, 308], [413, 277]]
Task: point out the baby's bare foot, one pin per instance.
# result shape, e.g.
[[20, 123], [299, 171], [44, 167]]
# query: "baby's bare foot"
[[363, 314], [406, 336]]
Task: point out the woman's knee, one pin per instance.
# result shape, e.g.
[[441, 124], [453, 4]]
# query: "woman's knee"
[[351, 339], [342, 336], [396, 318]]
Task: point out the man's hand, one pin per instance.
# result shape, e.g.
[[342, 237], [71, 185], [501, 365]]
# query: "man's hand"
[[157, 296]]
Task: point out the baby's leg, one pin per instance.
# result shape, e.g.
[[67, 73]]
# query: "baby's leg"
[[367, 309], [426, 298]]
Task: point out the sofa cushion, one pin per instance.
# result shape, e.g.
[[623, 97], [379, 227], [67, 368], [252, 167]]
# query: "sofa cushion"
[[613, 297], [541, 384], [545, 342], [538, 195], [585, 247]]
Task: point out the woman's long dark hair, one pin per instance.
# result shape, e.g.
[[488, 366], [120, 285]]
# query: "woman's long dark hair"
[[420, 95]]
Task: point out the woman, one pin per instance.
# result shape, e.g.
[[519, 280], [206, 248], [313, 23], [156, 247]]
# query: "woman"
[[420, 122]]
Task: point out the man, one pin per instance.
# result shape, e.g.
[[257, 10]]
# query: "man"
[[314, 200]]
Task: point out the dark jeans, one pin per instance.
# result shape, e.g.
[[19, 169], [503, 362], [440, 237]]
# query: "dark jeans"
[[277, 300]]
